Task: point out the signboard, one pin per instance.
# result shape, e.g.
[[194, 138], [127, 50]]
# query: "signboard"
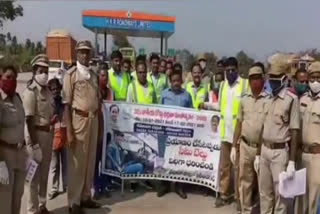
[[161, 143]]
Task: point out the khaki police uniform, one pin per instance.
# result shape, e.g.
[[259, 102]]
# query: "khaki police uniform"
[[82, 95], [12, 152], [282, 115], [37, 102], [310, 114], [251, 116]]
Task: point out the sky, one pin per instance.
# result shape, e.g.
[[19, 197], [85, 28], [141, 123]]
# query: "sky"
[[225, 27]]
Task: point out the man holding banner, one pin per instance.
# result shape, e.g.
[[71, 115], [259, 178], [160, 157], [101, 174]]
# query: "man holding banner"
[[176, 96]]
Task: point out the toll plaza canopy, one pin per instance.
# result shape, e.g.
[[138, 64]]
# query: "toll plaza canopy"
[[135, 24]]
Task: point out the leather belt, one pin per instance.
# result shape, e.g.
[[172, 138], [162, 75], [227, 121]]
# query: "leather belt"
[[84, 113], [43, 128], [275, 145], [251, 144], [11, 146], [311, 149]]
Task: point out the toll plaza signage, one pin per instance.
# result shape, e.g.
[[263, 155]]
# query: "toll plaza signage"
[[128, 23]]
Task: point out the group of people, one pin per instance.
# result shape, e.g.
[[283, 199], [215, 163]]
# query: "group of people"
[[263, 132]]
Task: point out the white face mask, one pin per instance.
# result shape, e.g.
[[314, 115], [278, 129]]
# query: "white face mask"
[[42, 79], [315, 87]]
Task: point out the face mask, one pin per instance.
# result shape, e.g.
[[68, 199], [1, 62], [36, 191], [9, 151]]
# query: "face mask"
[[315, 87], [232, 77], [301, 88], [102, 83], [203, 64], [256, 86], [9, 86], [41, 79], [277, 84]]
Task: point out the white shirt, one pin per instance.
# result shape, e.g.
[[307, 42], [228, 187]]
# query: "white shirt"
[[228, 121]]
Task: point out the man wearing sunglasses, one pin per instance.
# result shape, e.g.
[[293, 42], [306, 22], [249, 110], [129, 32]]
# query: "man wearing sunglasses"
[[279, 138], [310, 109], [230, 93]]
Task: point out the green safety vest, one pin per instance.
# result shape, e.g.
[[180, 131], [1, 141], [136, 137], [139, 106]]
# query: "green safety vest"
[[200, 96], [240, 91], [160, 85], [138, 93], [120, 91]]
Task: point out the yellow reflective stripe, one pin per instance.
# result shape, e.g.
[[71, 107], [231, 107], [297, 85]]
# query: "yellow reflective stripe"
[[139, 94], [120, 91], [198, 97]]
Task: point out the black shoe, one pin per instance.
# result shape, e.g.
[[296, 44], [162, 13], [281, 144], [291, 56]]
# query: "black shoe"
[[221, 202], [162, 191], [133, 187], [90, 204], [180, 191], [76, 209], [53, 195], [43, 210]]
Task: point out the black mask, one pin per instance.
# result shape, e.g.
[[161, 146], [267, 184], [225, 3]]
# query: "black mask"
[[277, 85]]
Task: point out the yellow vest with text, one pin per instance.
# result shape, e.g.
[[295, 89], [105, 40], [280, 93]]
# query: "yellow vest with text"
[[139, 96], [241, 89], [200, 96], [160, 85], [120, 91]]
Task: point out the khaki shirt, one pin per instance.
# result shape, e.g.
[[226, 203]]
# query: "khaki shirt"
[[37, 102], [283, 114], [11, 119], [252, 115], [310, 113], [80, 93]]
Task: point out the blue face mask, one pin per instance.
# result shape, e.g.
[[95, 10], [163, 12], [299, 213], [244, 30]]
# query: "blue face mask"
[[277, 85], [232, 77]]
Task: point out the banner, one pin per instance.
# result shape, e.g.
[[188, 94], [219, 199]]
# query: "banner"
[[161, 143]]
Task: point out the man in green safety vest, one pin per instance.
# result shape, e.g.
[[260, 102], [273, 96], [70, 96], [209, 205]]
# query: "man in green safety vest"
[[159, 80], [198, 90], [140, 90], [119, 81], [230, 94]]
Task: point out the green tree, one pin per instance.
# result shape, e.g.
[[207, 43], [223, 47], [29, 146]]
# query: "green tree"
[[39, 48], [211, 61], [120, 40], [14, 45], [9, 38], [245, 62], [28, 44], [9, 11], [2, 42]]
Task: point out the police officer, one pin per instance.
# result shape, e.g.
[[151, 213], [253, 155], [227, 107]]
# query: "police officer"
[[140, 89], [310, 112], [37, 103], [118, 80], [248, 131], [12, 146], [280, 132], [81, 97], [198, 90]]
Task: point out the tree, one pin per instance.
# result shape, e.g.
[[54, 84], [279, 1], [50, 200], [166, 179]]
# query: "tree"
[[28, 44], [9, 37], [39, 48], [121, 40], [14, 45], [186, 58], [245, 63], [211, 61], [2, 42], [9, 11]]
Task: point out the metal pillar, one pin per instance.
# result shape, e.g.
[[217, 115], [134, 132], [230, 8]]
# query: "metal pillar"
[[96, 42], [166, 47], [161, 45], [105, 45]]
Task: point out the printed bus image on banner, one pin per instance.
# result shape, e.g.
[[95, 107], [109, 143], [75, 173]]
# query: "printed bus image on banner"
[[161, 143]]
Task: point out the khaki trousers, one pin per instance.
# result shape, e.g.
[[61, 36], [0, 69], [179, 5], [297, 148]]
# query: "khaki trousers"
[[226, 171], [11, 194], [272, 163], [81, 159], [37, 191], [308, 203], [248, 182]]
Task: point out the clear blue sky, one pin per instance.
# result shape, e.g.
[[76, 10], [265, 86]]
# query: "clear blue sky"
[[223, 26]]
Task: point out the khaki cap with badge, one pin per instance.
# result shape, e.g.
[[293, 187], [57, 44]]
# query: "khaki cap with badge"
[[314, 67], [279, 64], [202, 57], [84, 45], [255, 70], [40, 60]]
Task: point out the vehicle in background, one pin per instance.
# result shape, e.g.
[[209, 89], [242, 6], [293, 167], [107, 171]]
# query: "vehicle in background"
[[129, 53], [57, 69]]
